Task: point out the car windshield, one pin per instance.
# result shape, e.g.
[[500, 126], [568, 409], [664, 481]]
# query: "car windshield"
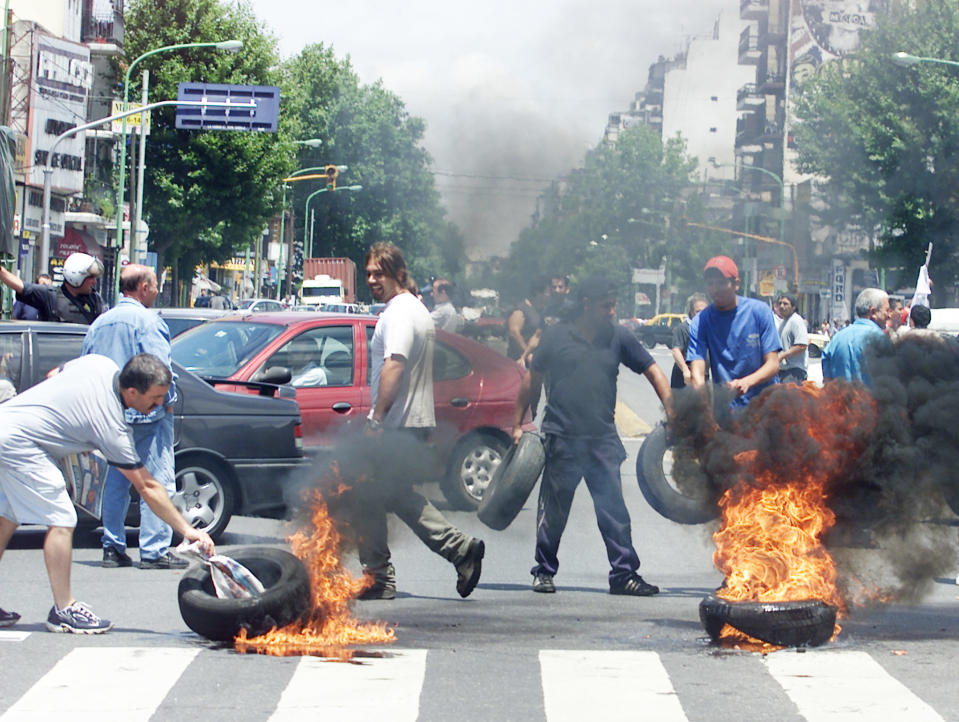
[[219, 349]]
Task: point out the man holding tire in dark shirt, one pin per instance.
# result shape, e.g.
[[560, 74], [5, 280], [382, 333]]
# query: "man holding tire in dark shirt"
[[579, 361]]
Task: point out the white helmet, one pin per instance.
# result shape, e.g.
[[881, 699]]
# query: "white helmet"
[[79, 267]]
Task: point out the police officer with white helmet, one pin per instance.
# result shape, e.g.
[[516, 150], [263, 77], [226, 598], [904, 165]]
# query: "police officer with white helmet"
[[74, 301]]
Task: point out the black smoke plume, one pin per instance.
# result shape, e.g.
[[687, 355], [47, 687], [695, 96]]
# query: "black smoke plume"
[[889, 455]]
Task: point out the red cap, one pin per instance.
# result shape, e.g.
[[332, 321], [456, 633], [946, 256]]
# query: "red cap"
[[724, 264]]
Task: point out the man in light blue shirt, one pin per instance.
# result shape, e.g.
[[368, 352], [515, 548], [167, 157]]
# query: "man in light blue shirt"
[[737, 334], [843, 357], [121, 333]]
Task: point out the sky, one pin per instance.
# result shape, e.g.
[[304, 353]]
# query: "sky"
[[514, 92]]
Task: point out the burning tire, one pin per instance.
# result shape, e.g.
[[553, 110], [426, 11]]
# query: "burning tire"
[[513, 482], [285, 599], [654, 465], [806, 623]]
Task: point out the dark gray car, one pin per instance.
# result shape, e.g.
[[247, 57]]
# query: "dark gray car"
[[233, 451]]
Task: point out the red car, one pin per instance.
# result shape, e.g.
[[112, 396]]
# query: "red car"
[[325, 357]]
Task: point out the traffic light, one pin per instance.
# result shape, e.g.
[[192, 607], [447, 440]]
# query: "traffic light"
[[331, 172]]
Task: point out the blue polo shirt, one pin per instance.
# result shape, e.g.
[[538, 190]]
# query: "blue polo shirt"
[[843, 357], [735, 341], [581, 377]]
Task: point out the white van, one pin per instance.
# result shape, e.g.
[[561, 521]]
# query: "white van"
[[945, 321]]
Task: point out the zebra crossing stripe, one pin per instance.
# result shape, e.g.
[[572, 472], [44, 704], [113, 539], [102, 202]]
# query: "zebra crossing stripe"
[[90, 683], [832, 685], [580, 685], [13, 636], [384, 688]]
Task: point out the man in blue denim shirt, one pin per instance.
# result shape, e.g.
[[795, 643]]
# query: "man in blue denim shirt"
[[844, 357], [121, 333]]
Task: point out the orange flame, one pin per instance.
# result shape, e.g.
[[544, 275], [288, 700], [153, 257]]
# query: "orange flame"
[[329, 627], [769, 546]]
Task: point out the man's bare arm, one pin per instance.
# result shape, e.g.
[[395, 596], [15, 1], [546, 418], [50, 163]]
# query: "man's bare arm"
[[532, 380], [763, 374], [680, 360], [793, 350], [697, 369], [514, 325], [10, 279], [156, 497], [660, 385]]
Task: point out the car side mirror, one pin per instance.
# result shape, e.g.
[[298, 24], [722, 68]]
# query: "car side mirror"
[[278, 375]]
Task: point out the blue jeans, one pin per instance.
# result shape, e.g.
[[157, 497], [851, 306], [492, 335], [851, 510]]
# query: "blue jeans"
[[597, 461], [154, 444]]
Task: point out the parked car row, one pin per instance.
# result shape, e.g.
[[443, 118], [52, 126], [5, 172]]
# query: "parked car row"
[[232, 451], [326, 358]]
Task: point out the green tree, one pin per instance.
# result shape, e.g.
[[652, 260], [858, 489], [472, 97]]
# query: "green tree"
[[622, 210], [886, 137], [207, 194], [368, 129]]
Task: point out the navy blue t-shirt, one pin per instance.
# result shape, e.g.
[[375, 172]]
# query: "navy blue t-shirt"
[[581, 377], [735, 341]]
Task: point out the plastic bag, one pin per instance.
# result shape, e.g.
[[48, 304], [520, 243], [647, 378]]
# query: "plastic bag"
[[231, 580]]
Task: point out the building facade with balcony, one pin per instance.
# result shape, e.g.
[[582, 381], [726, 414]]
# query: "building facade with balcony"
[[59, 77]]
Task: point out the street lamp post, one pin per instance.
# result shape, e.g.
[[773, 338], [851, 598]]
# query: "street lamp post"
[[906, 60], [308, 248], [48, 171], [231, 45]]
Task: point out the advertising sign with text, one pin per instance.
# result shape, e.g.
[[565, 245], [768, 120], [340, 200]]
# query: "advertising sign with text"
[[62, 78]]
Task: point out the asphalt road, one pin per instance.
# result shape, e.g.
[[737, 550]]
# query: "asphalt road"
[[504, 653]]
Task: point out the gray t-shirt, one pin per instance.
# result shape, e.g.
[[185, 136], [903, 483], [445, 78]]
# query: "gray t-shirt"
[[791, 333], [406, 329], [77, 410]]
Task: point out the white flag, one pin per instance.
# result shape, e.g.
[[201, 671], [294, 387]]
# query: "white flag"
[[923, 288]]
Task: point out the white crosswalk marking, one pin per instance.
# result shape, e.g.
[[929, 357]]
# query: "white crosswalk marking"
[[839, 685], [582, 685], [13, 636], [139, 679], [374, 689]]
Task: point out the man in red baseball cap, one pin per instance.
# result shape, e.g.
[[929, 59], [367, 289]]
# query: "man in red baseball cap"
[[737, 334]]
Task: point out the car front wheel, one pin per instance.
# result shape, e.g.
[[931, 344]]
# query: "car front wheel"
[[204, 494], [472, 465]]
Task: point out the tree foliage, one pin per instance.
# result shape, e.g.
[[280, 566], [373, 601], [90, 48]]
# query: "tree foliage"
[[887, 137], [207, 193], [624, 209], [367, 129]]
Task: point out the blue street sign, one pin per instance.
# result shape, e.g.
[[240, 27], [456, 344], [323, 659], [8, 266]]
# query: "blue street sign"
[[263, 118]]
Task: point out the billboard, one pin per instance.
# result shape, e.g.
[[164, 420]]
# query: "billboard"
[[62, 78], [821, 31]]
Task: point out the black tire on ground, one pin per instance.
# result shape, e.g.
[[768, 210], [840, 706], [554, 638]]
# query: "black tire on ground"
[[205, 493], [513, 482], [285, 599], [807, 623], [661, 494], [472, 465]]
